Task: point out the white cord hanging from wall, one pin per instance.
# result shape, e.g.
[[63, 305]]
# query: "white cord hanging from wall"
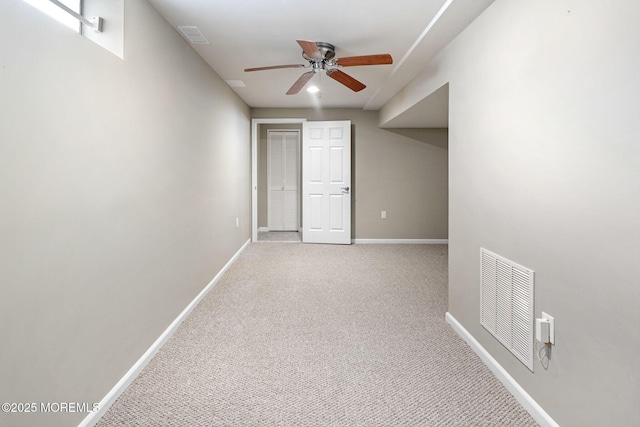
[[544, 354]]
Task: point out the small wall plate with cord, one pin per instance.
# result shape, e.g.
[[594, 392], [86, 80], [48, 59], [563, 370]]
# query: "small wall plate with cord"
[[542, 330], [552, 332]]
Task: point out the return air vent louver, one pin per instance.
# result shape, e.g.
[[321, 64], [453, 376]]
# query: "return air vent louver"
[[193, 34], [506, 304]]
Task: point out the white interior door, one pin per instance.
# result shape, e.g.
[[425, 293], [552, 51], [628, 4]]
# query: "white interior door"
[[326, 182], [283, 180]]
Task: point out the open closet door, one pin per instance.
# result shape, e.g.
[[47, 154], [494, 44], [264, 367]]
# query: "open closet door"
[[326, 182], [283, 177]]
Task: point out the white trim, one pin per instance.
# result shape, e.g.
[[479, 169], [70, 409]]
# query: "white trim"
[[527, 402], [402, 241], [254, 168], [91, 419], [263, 229]]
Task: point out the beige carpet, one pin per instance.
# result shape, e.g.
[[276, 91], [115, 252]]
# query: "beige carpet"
[[321, 335]]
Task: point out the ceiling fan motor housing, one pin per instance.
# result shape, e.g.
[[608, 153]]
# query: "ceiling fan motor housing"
[[328, 52]]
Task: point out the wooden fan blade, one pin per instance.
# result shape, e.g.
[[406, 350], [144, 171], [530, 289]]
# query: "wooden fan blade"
[[299, 84], [352, 61], [346, 80], [310, 49], [275, 67]]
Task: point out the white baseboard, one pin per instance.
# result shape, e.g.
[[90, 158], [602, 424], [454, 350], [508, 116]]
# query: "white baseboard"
[[263, 229], [527, 402], [91, 419], [402, 241]]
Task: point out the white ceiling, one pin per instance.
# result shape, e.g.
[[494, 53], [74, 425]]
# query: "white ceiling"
[[255, 33]]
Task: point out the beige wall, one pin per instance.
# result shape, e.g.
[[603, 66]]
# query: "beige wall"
[[401, 171], [545, 170], [120, 182]]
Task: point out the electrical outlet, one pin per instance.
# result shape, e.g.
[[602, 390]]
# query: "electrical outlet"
[[383, 214]]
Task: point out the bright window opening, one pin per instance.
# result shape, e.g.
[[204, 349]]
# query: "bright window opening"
[[58, 14]]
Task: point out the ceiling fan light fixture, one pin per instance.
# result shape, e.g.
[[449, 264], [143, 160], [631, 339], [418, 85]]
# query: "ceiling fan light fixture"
[[313, 89]]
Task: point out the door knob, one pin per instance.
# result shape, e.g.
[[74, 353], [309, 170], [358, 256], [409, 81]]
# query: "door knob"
[[345, 190]]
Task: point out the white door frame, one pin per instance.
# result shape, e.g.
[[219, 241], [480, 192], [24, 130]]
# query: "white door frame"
[[254, 168]]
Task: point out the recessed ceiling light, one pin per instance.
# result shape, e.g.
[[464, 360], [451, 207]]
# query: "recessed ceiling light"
[[313, 89]]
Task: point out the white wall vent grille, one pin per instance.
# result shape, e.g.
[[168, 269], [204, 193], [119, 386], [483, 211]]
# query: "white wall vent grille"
[[506, 304]]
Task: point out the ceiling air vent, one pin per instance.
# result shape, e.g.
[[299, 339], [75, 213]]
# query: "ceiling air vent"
[[236, 83], [193, 34]]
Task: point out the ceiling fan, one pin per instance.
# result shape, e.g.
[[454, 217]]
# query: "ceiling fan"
[[320, 56]]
